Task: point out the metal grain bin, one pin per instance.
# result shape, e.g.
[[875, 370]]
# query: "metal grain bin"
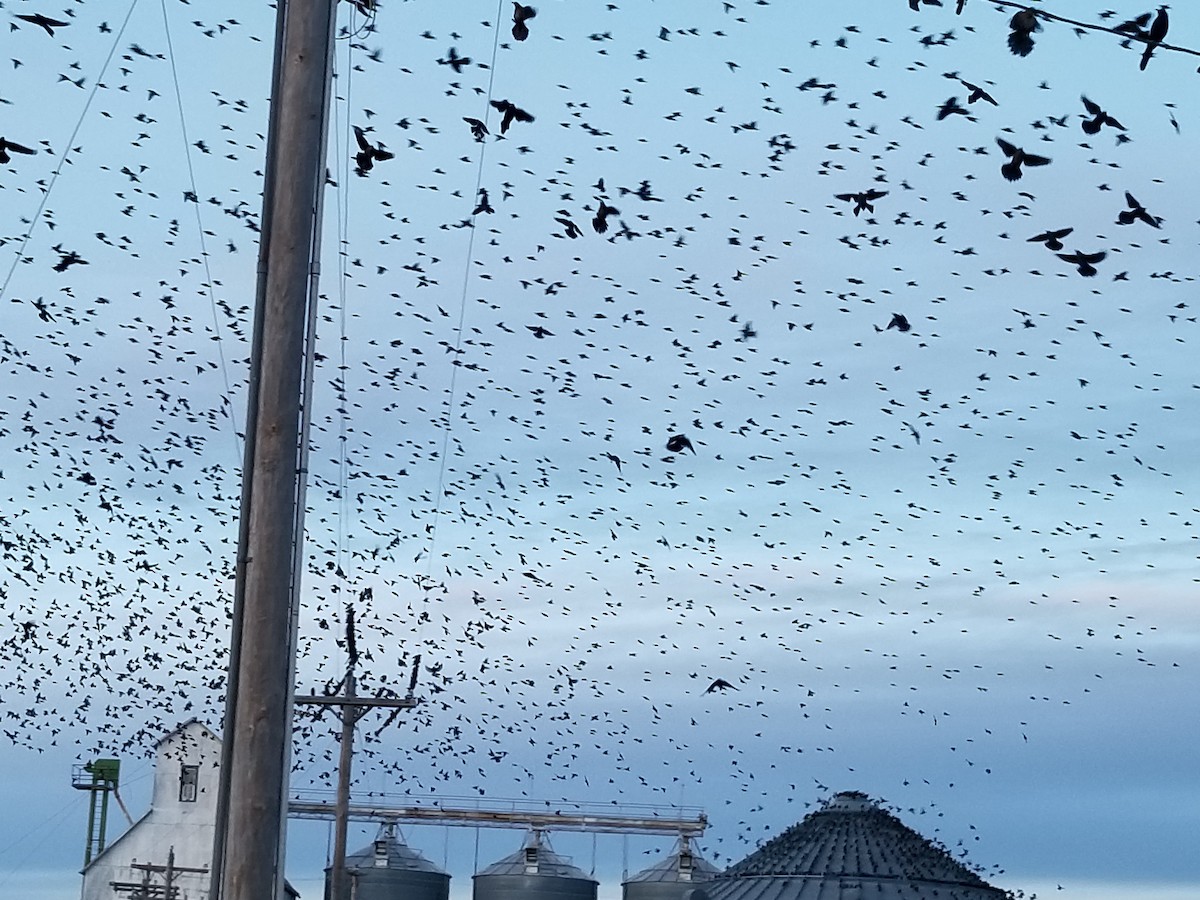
[[388, 869], [535, 872], [680, 876]]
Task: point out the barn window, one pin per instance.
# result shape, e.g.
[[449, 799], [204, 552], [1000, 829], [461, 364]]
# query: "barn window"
[[189, 776]]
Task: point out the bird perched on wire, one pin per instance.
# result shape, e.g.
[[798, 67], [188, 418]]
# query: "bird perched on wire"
[[510, 113], [1023, 25], [368, 153], [521, 15], [1017, 157], [1156, 35], [1099, 118], [863, 200], [1085, 263]]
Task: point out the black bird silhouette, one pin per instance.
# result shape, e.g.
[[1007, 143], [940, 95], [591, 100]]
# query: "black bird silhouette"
[[43, 22], [7, 146], [603, 211], [1156, 35], [510, 113], [454, 61], [570, 227], [951, 107], [368, 153], [1052, 239], [915, 5], [977, 93], [900, 322], [1135, 212], [483, 206], [539, 332], [863, 200], [1022, 27], [68, 258], [1085, 262], [1135, 27], [521, 15], [1099, 118], [677, 443], [478, 128], [1016, 158], [721, 684]]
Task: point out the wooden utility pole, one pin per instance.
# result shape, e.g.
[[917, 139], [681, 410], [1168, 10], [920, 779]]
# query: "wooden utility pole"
[[249, 853], [352, 708]]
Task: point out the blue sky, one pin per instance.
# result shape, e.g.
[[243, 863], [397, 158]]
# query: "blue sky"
[[952, 566]]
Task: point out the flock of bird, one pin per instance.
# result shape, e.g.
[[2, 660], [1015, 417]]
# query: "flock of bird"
[[668, 408]]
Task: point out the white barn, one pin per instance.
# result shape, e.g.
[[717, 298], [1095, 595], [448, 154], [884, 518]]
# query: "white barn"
[[171, 845]]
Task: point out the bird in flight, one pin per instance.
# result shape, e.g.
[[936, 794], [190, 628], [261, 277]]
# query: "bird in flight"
[[1135, 212], [864, 200], [50, 24], [1099, 118], [951, 107], [368, 153], [1022, 27], [603, 211], [7, 146], [677, 443], [1052, 239], [1017, 157], [478, 129], [719, 684], [510, 113], [1085, 262], [521, 15], [977, 93], [454, 61]]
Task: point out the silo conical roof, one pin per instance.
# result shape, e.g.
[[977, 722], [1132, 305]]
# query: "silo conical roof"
[[390, 852], [683, 864], [535, 858], [850, 848]]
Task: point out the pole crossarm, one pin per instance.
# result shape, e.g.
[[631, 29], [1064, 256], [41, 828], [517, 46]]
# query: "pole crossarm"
[[673, 823], [366, 702]]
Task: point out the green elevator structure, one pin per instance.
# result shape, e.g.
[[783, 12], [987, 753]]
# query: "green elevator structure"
[[100, 778]]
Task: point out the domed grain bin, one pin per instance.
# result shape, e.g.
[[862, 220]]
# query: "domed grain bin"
[[535, 872], [389, 870], [680, 876]]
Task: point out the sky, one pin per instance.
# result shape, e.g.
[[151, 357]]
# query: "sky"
[[934, 519]]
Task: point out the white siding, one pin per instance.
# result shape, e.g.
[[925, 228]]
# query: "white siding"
[[186, 826]]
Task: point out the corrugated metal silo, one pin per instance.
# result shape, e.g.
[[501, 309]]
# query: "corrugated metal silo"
[[388, 869], [535, 872], [680, 876]]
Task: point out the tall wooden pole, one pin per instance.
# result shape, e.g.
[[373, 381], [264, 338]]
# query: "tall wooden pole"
[[259, 737]]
